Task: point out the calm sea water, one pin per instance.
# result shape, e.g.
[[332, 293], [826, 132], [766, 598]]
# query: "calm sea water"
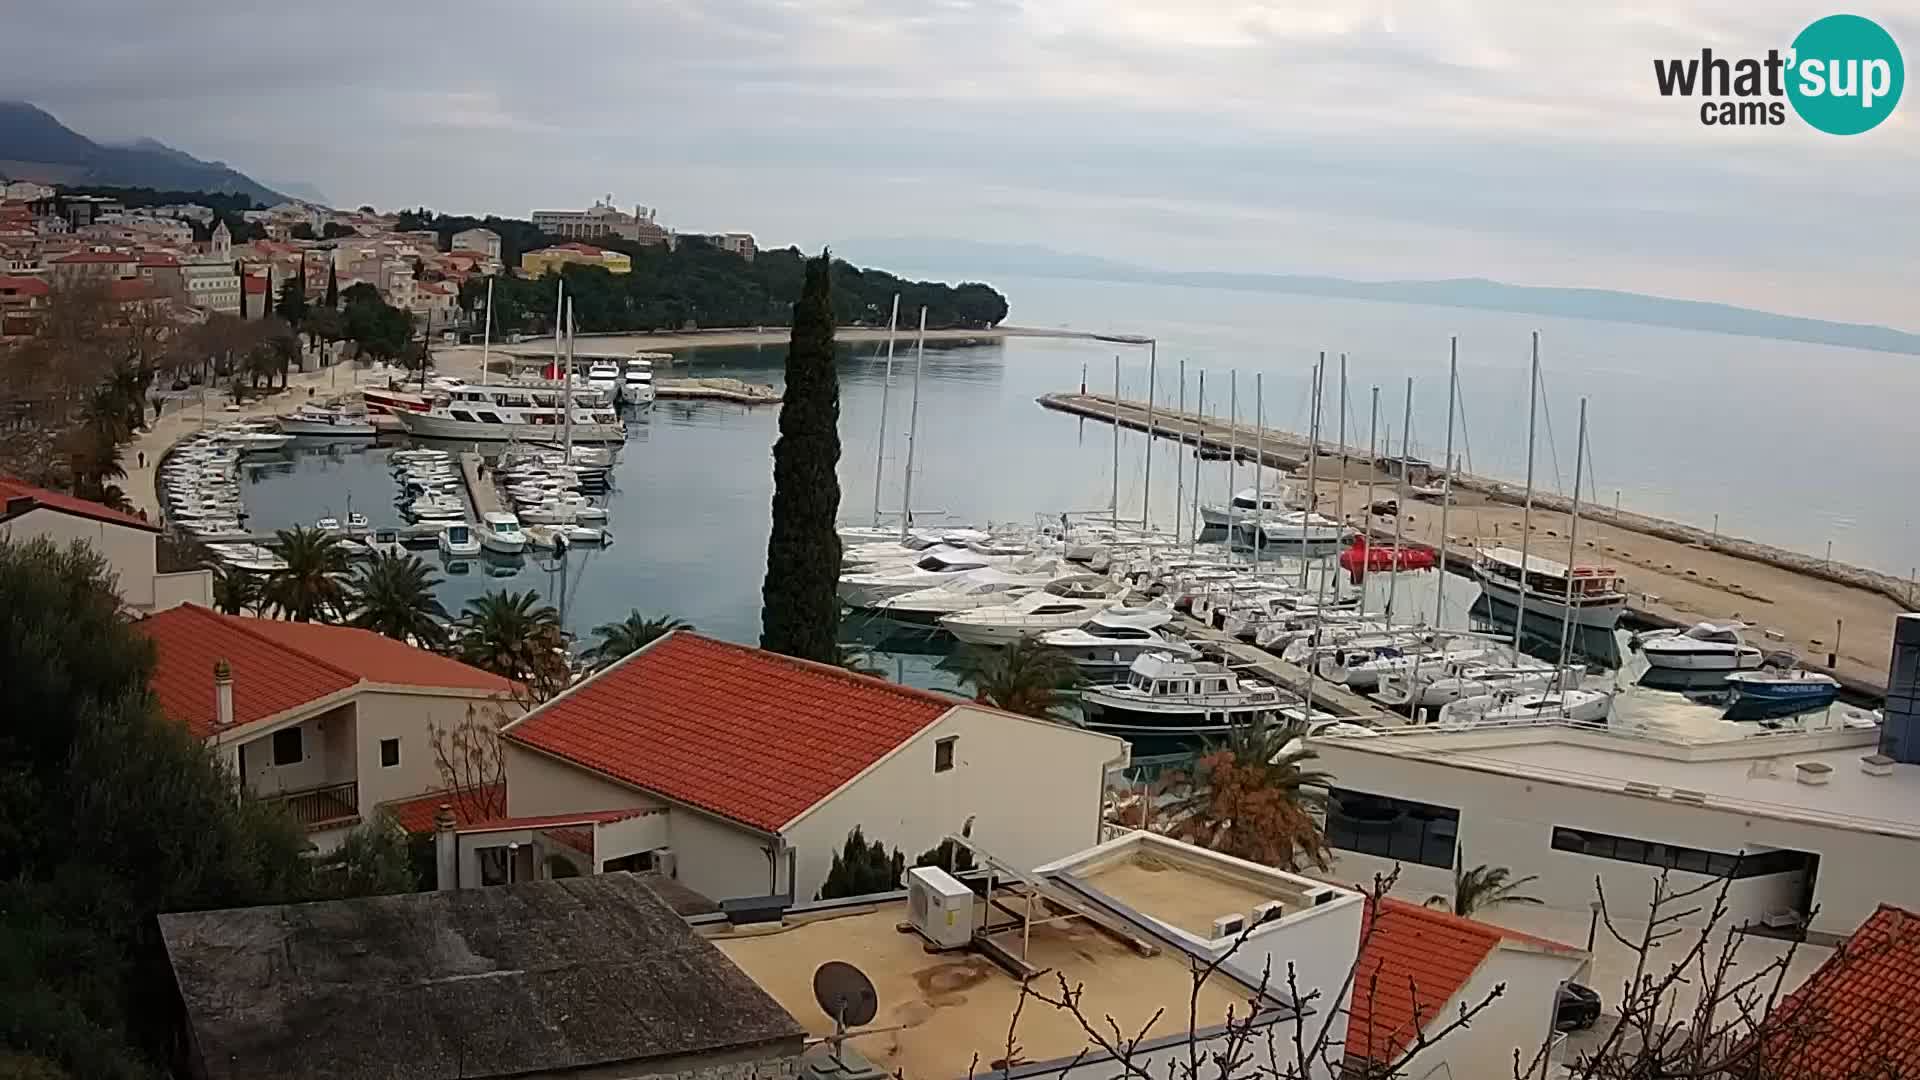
[[1791, 444]]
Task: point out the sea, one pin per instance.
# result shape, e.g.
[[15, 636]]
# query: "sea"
[[1788, 443]]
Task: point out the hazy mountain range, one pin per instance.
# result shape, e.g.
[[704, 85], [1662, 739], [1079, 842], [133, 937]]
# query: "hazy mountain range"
[[1610, 305], [35, 146]]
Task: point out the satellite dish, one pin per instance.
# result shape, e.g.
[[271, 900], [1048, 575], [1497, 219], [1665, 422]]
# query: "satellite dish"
[[845, 993]]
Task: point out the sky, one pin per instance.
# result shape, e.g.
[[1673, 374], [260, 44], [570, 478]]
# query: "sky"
[[1521, 140]]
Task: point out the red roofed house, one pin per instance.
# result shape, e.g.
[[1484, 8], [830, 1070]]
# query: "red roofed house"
[[329, 719], [1854, 1019], [94, 265], [127, 543], [1425, 964], [758, 765]]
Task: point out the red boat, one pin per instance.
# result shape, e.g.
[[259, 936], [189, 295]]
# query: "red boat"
[[1361, 558]]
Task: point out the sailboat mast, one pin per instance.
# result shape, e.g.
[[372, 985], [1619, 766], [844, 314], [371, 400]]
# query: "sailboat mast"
[[1373, 470], [1313, 455], [559, 316], [566, 386], [1573, 538], [1115, 520], [1179, 472], [486, 335], [1233, 456], [1259, 469], [1446, 494], [1200, 408], [1146, 481], [1399, 502], [1340, 493], [886, 389], [1526, 514], [913, 423]]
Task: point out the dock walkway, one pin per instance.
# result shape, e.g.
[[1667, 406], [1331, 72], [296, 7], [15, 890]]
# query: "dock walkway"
[[1328, 696], [482, 494], [1677, 574]]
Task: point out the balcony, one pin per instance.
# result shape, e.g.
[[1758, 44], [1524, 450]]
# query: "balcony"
[[326, 807]]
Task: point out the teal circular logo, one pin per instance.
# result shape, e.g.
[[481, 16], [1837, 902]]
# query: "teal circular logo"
[[1846, 75]]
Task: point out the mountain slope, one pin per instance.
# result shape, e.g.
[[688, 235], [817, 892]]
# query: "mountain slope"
[[35, 146], [1606, 305]]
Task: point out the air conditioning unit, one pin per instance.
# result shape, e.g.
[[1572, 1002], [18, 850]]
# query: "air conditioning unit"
[[939, 908], [1229, 925], [663, 863]]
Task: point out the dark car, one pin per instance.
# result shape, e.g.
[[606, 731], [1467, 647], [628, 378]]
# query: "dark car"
[[1576, 1009], [181, 384]]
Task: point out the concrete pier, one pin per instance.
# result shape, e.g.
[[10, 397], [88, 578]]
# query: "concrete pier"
[[1327, 696], [482, 493]]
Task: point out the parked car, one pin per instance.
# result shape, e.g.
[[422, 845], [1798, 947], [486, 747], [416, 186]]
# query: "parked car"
[[181, 384], [1577, 1008]]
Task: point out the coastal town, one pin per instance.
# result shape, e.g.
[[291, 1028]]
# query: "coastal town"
[[563, 643]]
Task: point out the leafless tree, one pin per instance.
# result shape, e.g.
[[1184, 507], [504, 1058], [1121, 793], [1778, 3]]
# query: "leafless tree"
[[472, 768]]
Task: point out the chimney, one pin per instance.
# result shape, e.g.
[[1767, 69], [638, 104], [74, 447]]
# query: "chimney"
[[446, 849], [222, 695]]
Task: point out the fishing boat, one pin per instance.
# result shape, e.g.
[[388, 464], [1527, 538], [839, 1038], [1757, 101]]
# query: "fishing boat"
[[1701, 647], [1108, 644], [1760, 694], [325, 422], [457, 541], [506, 412], [500, 532], [1594, 593]]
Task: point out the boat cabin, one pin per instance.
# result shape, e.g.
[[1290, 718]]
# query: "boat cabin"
[[1552, 579]]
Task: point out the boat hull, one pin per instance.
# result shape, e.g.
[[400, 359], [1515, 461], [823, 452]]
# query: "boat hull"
[[429, 426], [1599, 616], [1701, 660], [321, 429], [1760, 700], [503, 545]]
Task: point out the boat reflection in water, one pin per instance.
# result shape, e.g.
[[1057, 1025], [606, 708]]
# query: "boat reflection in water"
[[1540, 637]]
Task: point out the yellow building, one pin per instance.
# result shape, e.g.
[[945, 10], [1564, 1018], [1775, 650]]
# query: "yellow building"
[[546, 260]]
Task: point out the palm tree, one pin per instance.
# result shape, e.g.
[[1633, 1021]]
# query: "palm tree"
[[393, 595], [619, 639], [1482, 887], [313, 584], [235, 591], [1254, 796], [515, 635], [1025, 678]]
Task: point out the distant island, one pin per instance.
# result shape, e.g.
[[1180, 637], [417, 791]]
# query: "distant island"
[[1607, 305]]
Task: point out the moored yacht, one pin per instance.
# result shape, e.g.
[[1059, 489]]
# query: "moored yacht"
[[1700, 647], [1514, 706], [604, 376], [1548, 588], [332, 422], [457, 541], [936, 564], [501, 532], [475, 413], [1166, 703], [984, 587], [1246, 503], [636, 382], [1111, 644], [1068, 602], [1762, 694]]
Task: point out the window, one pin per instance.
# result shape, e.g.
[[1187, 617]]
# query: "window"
[[943, 753], [1674, 857], [389, 753], [288, 747], [1391, 828]]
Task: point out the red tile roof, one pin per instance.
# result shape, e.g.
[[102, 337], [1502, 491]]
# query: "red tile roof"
[[158, 258], [416, 815], [749, 735], [1412, 948], [11, 489], [1855, 1016], [98, 257], [282, 665], [23, 286]]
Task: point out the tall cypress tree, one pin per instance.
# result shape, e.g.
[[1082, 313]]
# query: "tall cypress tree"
[[333, 287], [799, 605], [241, 272]]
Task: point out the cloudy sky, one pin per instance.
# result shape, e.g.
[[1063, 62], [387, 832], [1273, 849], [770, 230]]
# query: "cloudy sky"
[[1512, 139]]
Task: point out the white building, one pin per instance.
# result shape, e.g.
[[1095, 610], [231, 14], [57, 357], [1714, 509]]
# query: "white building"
[[127, 542], [1801, 818], [756, 766], [601, 219], [330, 720], [25, 191], [211, 285], [484, 241]]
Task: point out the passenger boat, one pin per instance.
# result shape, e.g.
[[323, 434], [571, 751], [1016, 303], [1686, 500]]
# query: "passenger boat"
[[1167, 703], [1594, 592], [1246, 503], [315, 421], [1761, 694], [394, 402], [1701, 647], [475, 413]]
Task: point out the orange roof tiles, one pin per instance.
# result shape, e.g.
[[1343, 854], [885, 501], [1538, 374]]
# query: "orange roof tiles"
[[1855, 1016], [11, 489], [745, 734], [416, 815], [1416, 959], [23, 286], [282, 665]]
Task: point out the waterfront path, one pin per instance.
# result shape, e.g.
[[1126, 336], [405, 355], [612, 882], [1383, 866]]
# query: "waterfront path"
[[482, 493], [1676, 573]]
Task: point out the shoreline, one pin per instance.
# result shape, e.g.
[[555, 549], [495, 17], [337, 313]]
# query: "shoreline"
[[631, 342]]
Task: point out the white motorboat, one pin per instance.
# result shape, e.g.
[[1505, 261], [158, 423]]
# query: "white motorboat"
[[357, 524], [501, 532], [984, 587], [552, 536], [636, 382], [1361, 665], [1758, 695], [604, 376], [1436, 684], [248, 441], [936, 564], [1291, 530], [1106, 644], [1701, 647], [331, 422], [1068, 602], [1248, 503], [1166, 702], [1596, 591], [457, 541], [1510, 706], [249, 557], [328, 525], [502, 413], [436, 508], [561, 511]]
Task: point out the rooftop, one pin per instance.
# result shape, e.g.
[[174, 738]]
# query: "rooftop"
[[283, 665], [534, 978], [1753, 770], [1854, 1017], [954, 1005], [41, 498], [743, 733]]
